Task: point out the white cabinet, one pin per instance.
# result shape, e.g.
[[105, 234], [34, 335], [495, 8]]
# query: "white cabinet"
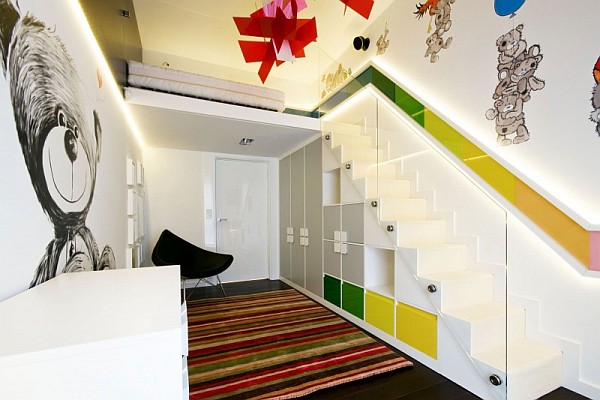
[[112, 334]]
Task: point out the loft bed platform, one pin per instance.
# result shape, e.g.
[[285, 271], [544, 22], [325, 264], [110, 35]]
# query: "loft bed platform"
[[166, 80]]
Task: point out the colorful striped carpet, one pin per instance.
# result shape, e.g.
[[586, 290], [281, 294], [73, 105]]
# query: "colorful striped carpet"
[[276, 345]]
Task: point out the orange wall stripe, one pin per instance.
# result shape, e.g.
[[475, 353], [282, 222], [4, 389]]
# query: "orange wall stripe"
[[557, 224]]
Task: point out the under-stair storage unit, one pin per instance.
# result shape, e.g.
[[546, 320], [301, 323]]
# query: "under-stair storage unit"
[[415, 250], [300, 176]]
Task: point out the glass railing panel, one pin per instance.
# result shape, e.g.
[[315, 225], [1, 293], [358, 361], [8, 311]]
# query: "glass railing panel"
[[455, 217], [434, 238]]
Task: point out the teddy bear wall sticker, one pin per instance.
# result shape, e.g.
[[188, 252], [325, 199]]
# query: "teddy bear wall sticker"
[[595, 115], [439, 11], [517, 65], [60, 142]]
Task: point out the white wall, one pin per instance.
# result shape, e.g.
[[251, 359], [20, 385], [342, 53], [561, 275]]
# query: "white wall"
[[174, 195], [180, 192], [26, 229]]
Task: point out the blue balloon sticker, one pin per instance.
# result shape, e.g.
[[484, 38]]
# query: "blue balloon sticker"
[[507, 7]]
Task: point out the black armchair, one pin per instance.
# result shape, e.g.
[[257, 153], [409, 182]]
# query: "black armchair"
[[195, 262]]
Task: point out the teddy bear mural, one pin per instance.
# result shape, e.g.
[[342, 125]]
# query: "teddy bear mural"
[[439, 11], [595, 115], [60, 142], [517, 65]]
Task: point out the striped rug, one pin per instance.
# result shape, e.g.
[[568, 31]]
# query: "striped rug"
[[276, 345]]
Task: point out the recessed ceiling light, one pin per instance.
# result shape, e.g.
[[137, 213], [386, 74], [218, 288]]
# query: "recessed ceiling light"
[[246, 141]]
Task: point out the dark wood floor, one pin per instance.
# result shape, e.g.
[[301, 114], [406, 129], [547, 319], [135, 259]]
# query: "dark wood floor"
[[417, 383]]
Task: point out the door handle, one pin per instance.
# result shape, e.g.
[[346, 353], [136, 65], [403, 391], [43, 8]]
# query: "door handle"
[[222, 219]]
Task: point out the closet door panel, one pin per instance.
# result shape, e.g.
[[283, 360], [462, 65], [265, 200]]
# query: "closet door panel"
[[297, 216], [313, 197], [284, 218]]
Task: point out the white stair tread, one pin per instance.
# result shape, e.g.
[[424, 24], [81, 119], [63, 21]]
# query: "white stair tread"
[[521, 356], [433, 246], [482, 311], [459, 275]]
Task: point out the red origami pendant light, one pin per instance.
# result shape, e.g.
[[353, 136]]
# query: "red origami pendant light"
[[288, 36], [363, 7]]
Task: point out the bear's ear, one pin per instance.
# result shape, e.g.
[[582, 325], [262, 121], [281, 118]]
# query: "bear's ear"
[[519, 28], [8, 19], [98, 134], [61, 118], [534, 50]]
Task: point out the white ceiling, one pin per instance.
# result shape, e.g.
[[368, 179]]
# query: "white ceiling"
[[200, 36]]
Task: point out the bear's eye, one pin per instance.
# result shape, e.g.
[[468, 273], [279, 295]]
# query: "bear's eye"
[[503, 43], [71, 145], [532, 65]]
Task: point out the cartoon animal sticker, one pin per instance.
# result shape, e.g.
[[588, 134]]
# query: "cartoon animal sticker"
[[60, 142], [439, 11], [595, 115], [517, 65], [383, 42]]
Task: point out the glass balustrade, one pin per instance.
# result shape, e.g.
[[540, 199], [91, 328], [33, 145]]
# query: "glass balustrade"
[[430, 236]]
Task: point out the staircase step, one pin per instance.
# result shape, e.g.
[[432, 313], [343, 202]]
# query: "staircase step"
[[402, 209], [532, 369], [417, 233], [349, 139], [343, 127], [348, 153], [438, 258], [361, 169], [373, 188], [459, 289], [486, 326]]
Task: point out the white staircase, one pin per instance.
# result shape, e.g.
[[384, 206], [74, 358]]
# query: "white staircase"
[[492, 333]]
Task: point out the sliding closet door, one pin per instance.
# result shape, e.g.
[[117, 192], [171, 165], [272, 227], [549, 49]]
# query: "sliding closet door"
[[242, 206]]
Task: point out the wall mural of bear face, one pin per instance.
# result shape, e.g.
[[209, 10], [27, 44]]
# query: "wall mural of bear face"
[[59, 140]]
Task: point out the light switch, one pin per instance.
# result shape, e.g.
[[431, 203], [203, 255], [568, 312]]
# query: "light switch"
[[337, 247], [290, 230], [343, 248], [337, 236], [290, 238]]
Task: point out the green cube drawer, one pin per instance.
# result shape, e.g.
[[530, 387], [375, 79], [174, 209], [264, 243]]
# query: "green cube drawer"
[[353, 299], [333, 290]]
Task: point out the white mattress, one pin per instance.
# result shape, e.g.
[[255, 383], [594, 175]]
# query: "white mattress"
[[206, 87]]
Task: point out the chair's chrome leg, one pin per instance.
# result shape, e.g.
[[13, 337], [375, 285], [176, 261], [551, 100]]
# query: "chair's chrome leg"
[[221, 286], [194, 288], [184, 288]]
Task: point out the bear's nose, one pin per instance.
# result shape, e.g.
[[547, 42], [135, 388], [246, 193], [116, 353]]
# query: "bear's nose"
[[71, 144]]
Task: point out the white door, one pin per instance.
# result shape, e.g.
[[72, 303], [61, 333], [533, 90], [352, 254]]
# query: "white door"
[[242, 204]]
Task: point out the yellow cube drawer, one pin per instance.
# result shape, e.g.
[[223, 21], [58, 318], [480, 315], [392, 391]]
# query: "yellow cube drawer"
[[417, 328], [379, 312]]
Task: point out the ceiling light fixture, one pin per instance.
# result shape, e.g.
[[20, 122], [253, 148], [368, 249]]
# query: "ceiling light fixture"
[[246, 141]]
